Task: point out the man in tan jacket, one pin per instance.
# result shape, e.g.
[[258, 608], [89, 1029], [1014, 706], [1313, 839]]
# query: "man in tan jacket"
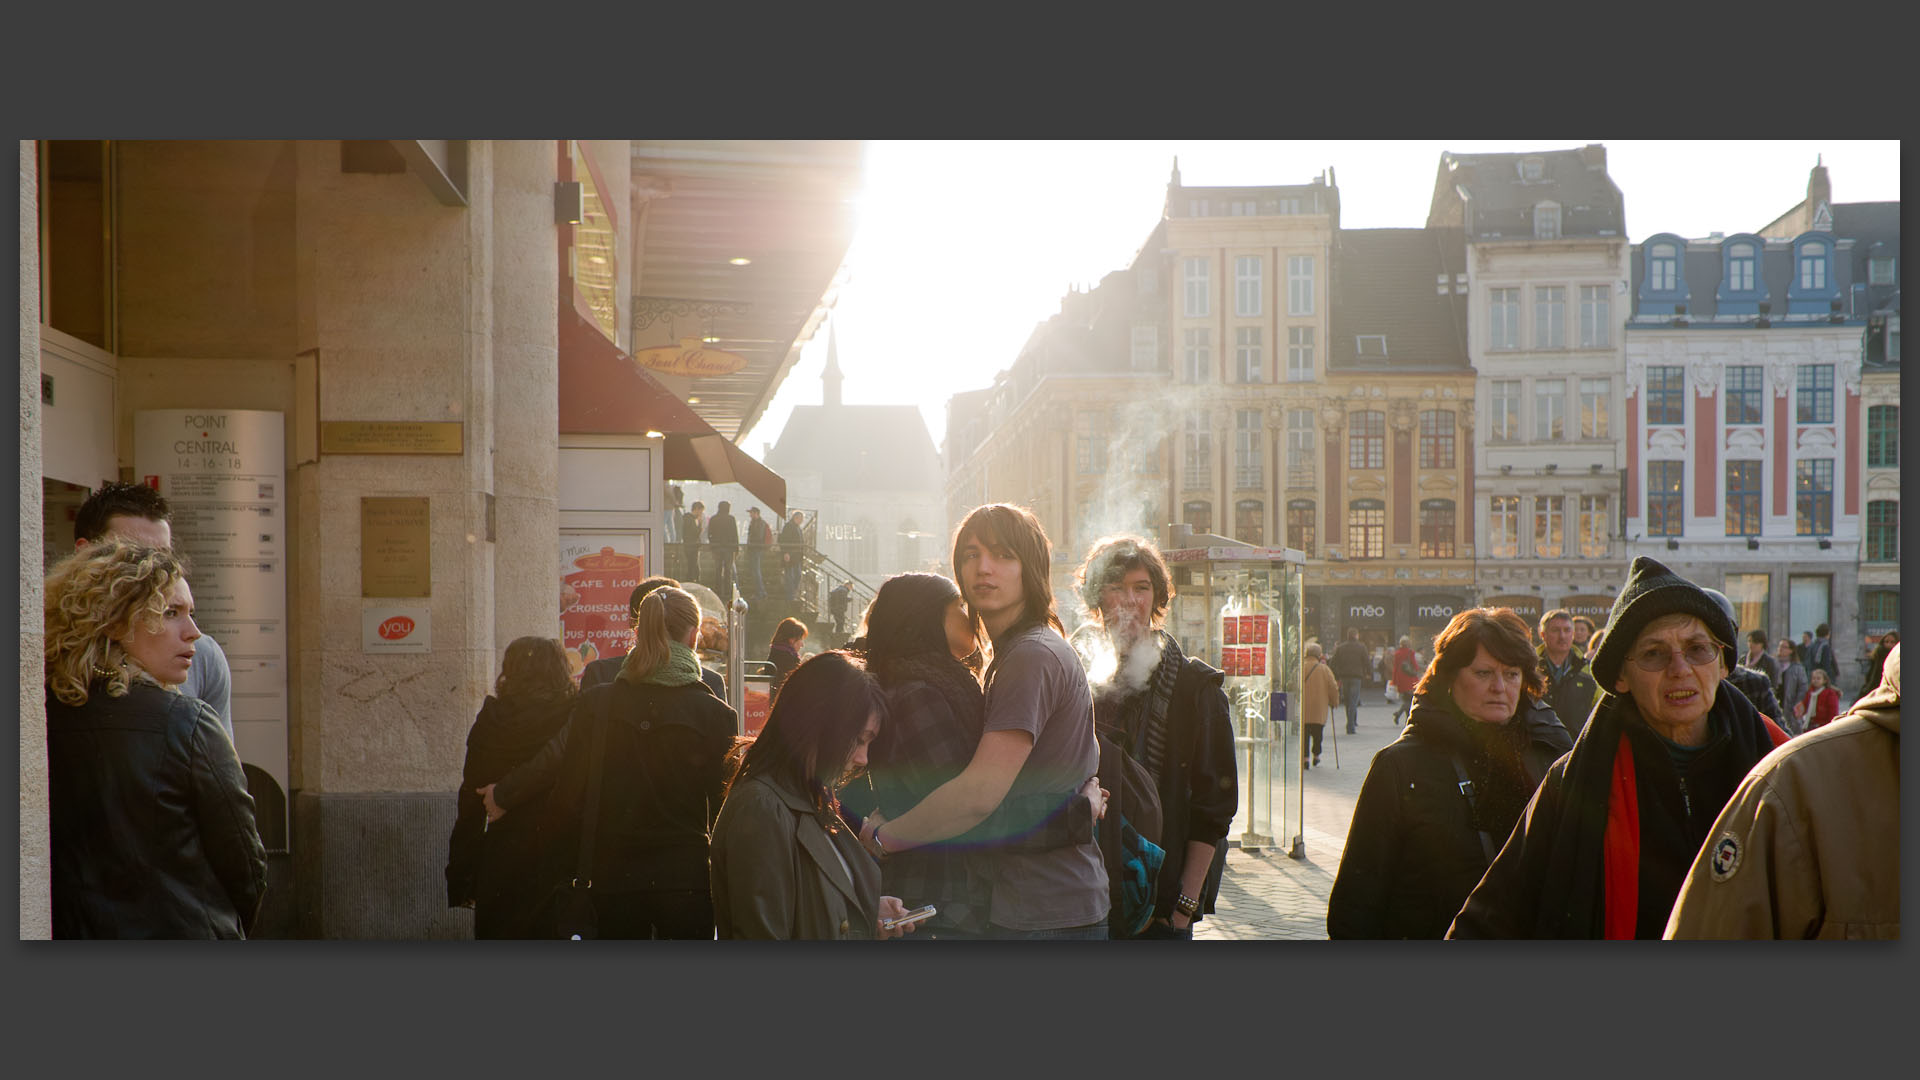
[[1319, 690], [1809, 846]]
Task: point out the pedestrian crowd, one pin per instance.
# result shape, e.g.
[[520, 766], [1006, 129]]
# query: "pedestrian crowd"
[[1647, 786], [967, 770]]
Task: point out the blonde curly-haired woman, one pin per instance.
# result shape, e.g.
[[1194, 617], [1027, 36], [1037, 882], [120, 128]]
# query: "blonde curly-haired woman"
[[153, 829]]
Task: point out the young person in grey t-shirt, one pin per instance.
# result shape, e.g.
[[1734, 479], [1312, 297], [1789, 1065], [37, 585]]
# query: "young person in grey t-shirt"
[[1039, 737]]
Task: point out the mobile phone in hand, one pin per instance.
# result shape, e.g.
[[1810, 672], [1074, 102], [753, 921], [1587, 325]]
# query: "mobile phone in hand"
[[911, 917]]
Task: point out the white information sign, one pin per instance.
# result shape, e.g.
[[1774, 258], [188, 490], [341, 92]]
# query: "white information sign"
[[396, 630], [224, 476]]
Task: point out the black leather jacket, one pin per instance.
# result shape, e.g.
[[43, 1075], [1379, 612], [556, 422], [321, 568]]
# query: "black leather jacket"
[[152, 827]]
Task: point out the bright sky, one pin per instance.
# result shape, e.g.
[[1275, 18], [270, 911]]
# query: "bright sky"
[[962, 247]]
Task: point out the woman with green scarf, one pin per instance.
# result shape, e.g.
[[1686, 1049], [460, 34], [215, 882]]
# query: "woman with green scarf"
[[662, 739], [1439, 800]]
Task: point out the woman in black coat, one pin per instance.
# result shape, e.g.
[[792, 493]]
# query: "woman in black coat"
[[153, 832], [1418, 842], [499, 871], [664, 740]]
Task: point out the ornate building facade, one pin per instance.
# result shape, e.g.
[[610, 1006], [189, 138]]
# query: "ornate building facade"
[[1547, 275]]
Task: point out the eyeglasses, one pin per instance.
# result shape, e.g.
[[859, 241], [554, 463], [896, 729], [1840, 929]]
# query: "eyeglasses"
[[1659, 657]]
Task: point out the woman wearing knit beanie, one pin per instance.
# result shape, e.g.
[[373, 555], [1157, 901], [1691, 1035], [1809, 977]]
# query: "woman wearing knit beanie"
[[1609, 836]]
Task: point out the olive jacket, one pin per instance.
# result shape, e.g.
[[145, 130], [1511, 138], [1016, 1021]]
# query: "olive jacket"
[[775, 874]]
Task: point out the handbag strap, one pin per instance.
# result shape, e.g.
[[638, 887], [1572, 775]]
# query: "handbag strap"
[[1473, 807], [596, 764]]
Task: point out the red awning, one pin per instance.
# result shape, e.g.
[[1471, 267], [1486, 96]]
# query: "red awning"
[[604, 392]]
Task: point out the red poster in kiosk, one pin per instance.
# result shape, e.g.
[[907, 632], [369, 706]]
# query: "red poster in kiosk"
[[1256, 663], [1230, 630], [1253, 630], [758, 704], [593, 613]]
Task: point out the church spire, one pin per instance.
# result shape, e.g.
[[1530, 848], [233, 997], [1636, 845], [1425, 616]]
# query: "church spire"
[[830, 378]]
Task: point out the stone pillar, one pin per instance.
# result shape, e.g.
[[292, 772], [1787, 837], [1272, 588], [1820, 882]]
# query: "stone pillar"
[[394, 298], [526, 388], [36, 896]]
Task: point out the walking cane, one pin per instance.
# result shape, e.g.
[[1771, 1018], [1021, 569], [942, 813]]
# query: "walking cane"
[[1335, 728]]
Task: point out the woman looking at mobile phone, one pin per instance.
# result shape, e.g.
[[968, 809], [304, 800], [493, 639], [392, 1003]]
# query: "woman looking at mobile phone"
[[784, 865]]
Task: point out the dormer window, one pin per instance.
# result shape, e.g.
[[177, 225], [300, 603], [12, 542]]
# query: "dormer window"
[[1813, 289], [1532, 168], [1740, 260], [1813, 265], [1663, 267], [1370, 346], [1546, 221]]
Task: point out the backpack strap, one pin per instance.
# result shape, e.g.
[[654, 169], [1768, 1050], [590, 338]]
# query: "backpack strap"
[[1473, 807]]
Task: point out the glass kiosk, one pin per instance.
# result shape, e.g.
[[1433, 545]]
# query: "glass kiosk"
[[1239, 608]]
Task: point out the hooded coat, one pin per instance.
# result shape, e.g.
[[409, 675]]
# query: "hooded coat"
[[1809, 846], [1413, 851]]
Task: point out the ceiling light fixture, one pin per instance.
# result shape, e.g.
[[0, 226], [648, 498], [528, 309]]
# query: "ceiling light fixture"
[[693, 401], [656, 435], [742, 261]]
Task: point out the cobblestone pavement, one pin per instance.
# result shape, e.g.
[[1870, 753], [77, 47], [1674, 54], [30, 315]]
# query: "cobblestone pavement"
[[1265, 895]]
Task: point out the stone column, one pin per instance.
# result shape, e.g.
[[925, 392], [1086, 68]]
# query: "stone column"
[[394, 296], [36, 897], [525, 456]]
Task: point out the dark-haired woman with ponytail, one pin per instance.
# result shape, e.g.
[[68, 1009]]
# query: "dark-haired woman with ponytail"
[[665, 739], [498, 871], [785, 866]]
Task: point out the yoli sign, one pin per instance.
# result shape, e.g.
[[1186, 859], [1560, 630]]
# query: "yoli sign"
[[396, 630], [690, 358]]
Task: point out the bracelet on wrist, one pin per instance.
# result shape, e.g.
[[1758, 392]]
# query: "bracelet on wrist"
[[879, 848], [1186, 905]]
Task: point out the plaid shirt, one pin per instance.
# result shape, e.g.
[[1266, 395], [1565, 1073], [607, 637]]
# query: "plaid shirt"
[[923, 745]]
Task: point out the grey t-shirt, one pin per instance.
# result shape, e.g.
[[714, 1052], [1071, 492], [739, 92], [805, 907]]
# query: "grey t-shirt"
[[1036, 685], [211, 681]]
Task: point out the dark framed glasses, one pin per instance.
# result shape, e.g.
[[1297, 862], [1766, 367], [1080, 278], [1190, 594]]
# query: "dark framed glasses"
[[1660, 657]]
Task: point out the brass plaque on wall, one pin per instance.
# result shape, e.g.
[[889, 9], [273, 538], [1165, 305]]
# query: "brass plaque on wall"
[[396, 542], [391, 437]]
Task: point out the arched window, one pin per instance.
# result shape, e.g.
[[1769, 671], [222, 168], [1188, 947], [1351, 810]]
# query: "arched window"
[[1663, 283], [1248, 518], [1813, 289], [1367, 440], [1199, 514], [1366, 529], [1436, 529], [1300, 525], [1742, 285]]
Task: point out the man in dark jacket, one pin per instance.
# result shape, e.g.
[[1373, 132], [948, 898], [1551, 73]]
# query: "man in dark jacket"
[[1351, 664], [1571, 691], [723, 535], [1168, 710], [1820, 655], [759, 538], [793, 554], [1609, 836]]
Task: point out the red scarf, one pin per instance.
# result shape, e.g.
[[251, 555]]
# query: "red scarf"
[[1620, 860], [1620, 850]]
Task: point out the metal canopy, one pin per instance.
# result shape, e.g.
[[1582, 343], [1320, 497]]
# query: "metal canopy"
[[784, 205]]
